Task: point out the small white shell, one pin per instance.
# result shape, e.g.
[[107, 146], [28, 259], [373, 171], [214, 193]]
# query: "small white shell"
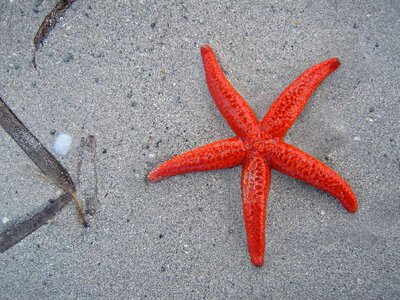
[[62, 144]]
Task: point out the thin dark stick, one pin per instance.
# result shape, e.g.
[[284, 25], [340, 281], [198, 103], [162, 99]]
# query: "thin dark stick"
[[46, 162], [79, 164], [92, 200], [48, 24], [18, 230], [88, 188]]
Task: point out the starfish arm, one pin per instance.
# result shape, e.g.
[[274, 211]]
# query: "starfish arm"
[[218, 155], [289, 105], [256, 177], [230, 103], [292, 161]]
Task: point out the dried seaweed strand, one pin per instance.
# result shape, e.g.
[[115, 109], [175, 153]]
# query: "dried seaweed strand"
[[18, 230], [46, 162], [48, 24]]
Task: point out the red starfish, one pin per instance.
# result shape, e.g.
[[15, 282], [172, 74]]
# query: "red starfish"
[[259, 146]]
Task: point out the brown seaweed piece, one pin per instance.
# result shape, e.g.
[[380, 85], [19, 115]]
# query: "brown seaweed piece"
[[18, 230], [45, 161], [48, 24]]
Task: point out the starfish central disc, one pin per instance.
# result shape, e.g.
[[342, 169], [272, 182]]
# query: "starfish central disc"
[[258, 146]]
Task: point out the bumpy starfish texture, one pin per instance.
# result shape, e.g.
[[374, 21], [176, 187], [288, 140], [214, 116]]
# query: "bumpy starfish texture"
[[259, 146]]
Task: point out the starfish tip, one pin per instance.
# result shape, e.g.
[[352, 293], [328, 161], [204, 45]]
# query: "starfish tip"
[[258, 261], [353, 209], [153, 176], [351, 204], [205, 49], [334, 62]]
